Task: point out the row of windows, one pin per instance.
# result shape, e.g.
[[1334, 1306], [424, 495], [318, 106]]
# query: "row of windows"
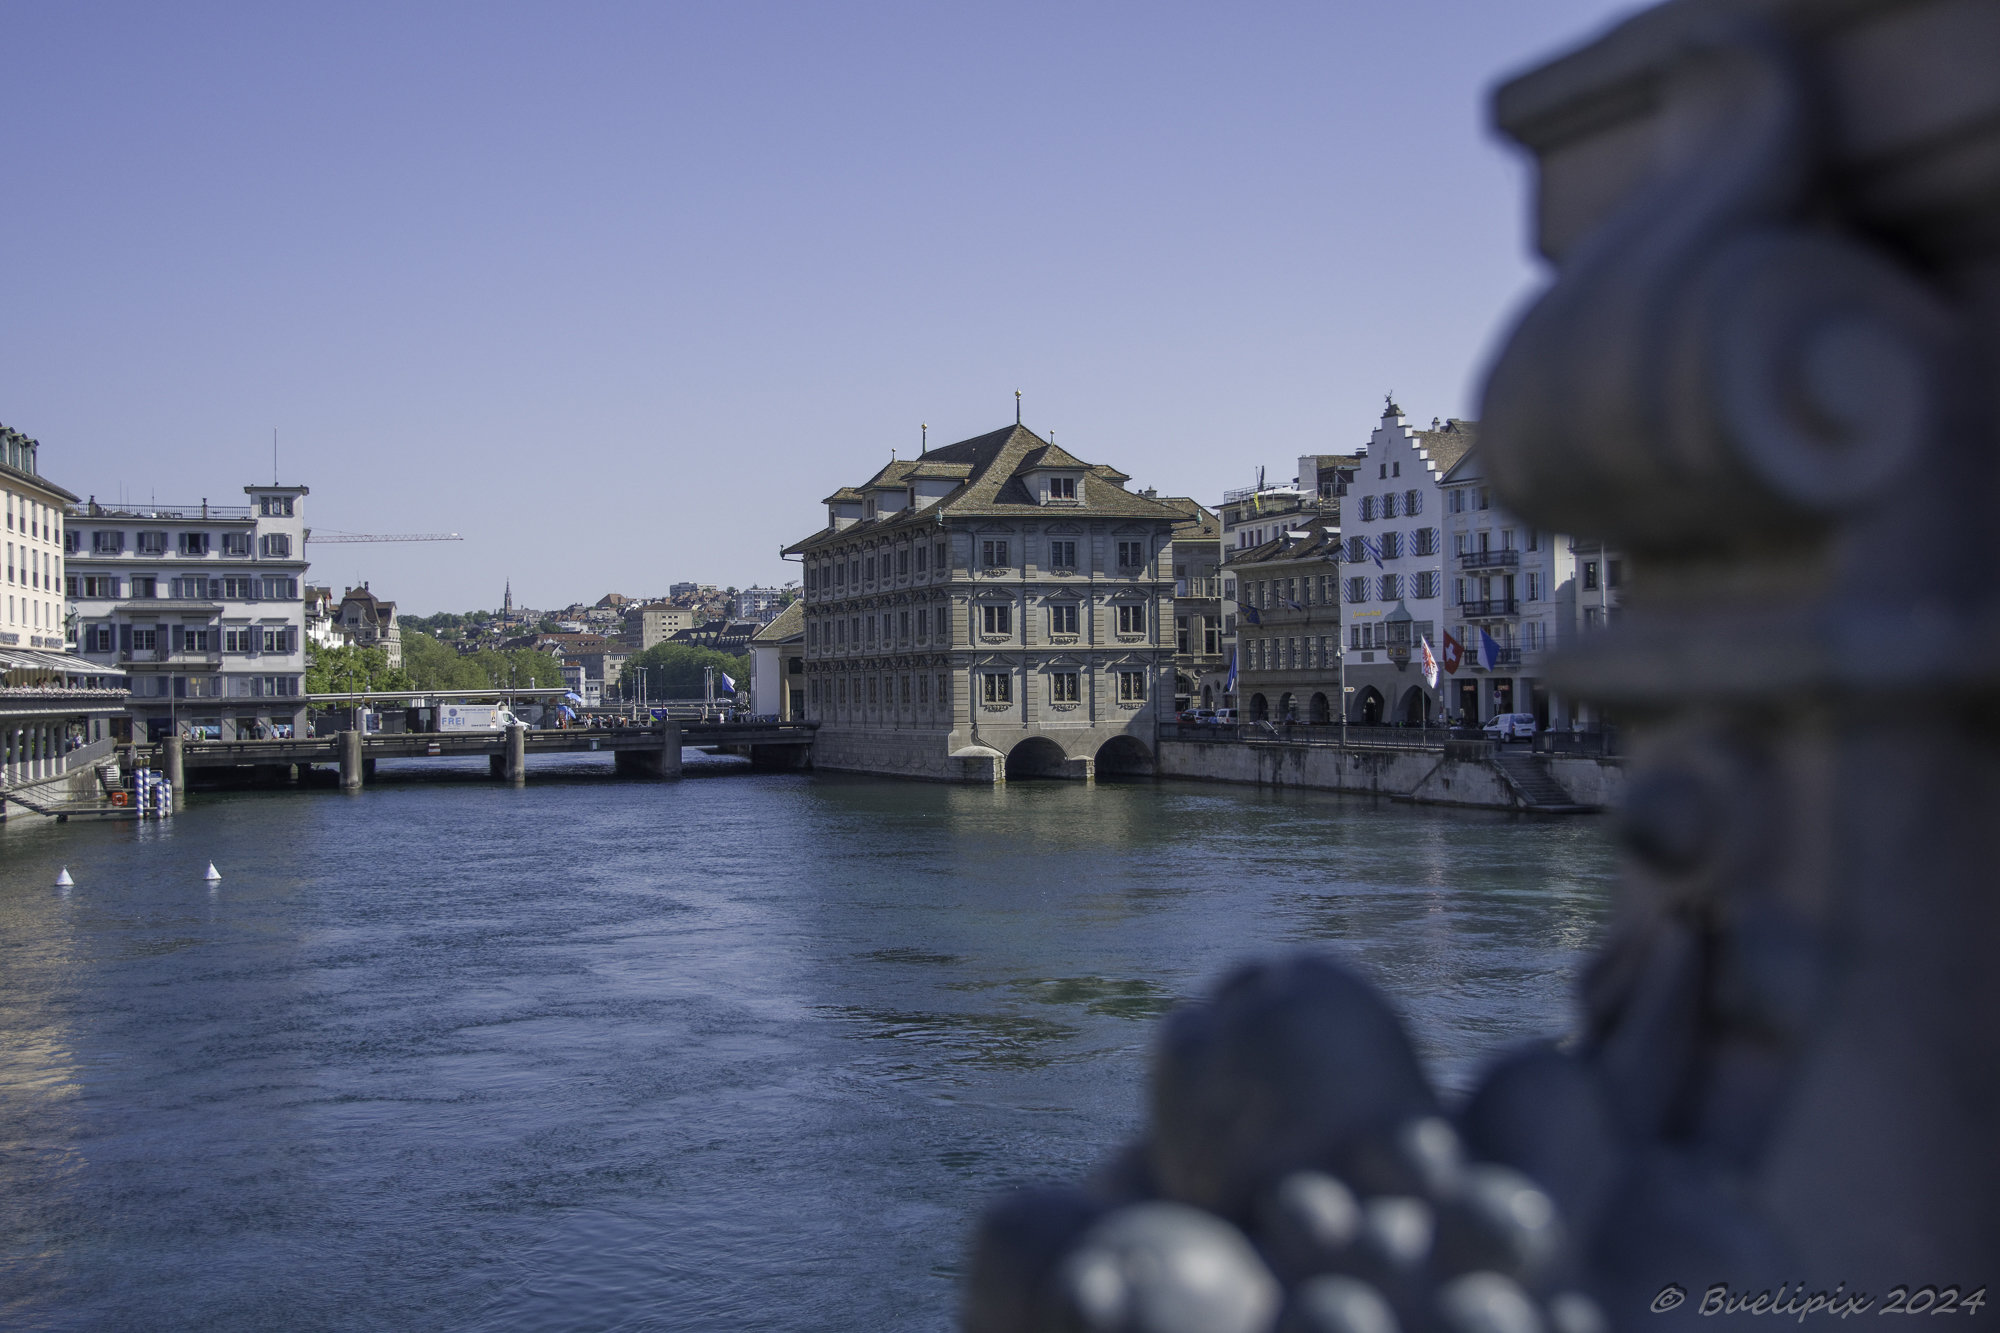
[[1291, 654], [1410, 503], [990, 687], [111, 541], [243, 588], [215, 687], [32, 517], [994, 619], [1376, 634], [1393, 587], [1209, 631], [1464, 543], [994, 553], [106, 638], [36, 569], [1392, 546]]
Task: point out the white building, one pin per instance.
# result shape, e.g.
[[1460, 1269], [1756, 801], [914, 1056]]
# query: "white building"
[[201, 606], [778, 666], [51, 702], [1393, 581], [758, 604]]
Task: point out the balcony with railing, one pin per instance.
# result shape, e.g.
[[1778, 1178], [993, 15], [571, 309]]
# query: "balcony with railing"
[[1490, 608], [1504, 657], [1198, 588], [1503, 559]]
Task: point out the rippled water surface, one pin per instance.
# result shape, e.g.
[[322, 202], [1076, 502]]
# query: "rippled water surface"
[[736, 1052]]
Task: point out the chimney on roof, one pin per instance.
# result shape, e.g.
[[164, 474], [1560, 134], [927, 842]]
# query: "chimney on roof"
[[1150, 493]]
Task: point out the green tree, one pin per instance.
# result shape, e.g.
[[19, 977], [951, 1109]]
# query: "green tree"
[[355, 670], [432, 665], [674, 670]]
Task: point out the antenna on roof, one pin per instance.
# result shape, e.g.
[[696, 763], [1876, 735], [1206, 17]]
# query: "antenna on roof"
[[274, 455], [1017, 407]]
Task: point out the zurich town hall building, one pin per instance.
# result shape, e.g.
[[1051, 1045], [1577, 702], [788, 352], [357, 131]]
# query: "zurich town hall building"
[[992, 608]]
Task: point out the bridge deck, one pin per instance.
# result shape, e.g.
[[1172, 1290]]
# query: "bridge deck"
[[446, 745]]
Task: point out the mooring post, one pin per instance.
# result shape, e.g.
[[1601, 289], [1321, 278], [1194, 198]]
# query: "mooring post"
[[174, 758], [516, 764], [350, 760]]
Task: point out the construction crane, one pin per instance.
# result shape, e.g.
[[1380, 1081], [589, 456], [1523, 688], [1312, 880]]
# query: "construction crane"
[[331, 537]]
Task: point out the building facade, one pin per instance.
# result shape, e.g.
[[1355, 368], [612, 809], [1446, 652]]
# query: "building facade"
[[201, 606], [366, 621], [778, 666], [1288, 625], [1393, 585], [51, 701], [651, 624], [994, 607], [1201, 662]]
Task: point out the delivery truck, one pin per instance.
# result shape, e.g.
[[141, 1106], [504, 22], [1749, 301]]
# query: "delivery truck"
[[475, 717]]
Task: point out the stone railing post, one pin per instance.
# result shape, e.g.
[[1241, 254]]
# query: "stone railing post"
[[1765, 369]]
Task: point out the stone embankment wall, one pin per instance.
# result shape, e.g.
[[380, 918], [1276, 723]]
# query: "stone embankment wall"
[[1418, 775]]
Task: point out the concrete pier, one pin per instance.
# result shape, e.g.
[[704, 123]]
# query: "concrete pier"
[[173, 753], [662, 763], [515, 758], [351, 772]]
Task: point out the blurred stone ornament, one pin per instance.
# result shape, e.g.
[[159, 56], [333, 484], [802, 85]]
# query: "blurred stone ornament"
[[1167, 1268]]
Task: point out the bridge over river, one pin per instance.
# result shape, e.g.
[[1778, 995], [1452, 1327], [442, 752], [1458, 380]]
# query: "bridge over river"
[[652, 750]]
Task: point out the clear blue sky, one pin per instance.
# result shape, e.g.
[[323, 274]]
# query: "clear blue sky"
[[619, 292]]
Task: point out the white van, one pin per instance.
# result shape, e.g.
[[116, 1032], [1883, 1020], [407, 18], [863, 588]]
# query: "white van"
[[1511, 727]]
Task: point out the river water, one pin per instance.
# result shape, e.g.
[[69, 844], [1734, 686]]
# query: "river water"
[[738, 1052]]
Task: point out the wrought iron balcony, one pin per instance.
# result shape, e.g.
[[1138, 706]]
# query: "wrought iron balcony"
[[1505, 559], [1490, 608]]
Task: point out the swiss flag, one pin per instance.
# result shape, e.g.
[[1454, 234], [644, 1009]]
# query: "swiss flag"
[[1454, 653]]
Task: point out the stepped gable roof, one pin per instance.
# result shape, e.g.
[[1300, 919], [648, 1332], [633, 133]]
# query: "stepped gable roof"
[[789, 623], [1447, 444], [992, 488], [1322, 543]]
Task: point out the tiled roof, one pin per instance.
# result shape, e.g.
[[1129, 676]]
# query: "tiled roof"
[[1196, 522], [992, 488], [789, 624]]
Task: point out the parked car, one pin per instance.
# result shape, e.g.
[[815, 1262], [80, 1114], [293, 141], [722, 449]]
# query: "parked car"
[[1511, 727], [1223, 717]]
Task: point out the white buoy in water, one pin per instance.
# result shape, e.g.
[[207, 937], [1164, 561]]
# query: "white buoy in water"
[[213, 874], [63, 881]]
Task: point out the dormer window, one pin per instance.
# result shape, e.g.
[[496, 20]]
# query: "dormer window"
[[1062, 488]]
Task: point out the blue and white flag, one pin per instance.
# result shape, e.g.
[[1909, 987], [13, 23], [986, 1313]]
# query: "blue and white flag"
[[727, 683], [1229, 687], [1369, 545], [1489, 651]]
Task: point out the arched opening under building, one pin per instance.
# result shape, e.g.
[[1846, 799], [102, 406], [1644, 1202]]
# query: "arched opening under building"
[[1260, 708], [1208, 696], [1124, 757], [1036, 757], [1418, 708], [1322, 711], [1288, 707], [1368, 706]]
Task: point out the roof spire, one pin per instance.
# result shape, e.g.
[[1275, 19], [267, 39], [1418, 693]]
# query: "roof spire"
[[926, 429], [1017, 407]]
